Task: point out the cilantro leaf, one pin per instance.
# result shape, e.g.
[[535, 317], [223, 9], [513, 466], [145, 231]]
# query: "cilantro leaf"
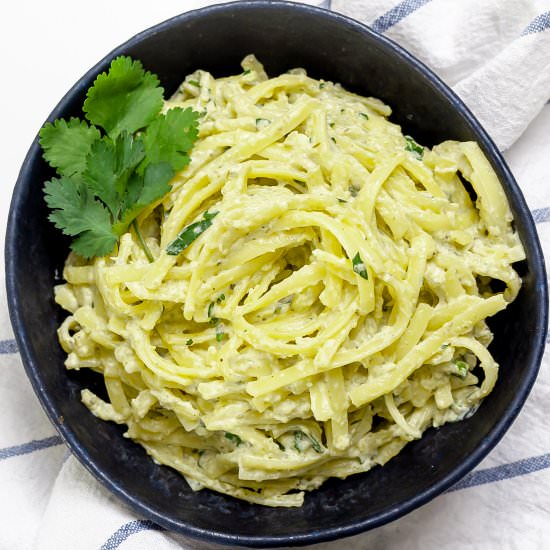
[[129, 152], [170, 137], [126, 98], [94, 242], [67, 144], [155, 182], [76, 212], [143, 190], [99, 174], [109, 167]]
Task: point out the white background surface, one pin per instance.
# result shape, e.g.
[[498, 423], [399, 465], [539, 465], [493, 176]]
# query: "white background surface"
[[46, 47]]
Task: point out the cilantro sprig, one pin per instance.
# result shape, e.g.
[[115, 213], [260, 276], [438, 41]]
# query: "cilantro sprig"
[[116, 162]]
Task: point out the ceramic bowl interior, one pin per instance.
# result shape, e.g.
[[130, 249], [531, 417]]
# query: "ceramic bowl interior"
[[282, 36]]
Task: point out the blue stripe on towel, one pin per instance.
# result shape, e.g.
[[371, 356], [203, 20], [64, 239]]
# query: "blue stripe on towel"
[[127, 530], [8, 346], [30, 447], [473, 479], [505, 471], [396, 14], [539, 24], [541, 214]]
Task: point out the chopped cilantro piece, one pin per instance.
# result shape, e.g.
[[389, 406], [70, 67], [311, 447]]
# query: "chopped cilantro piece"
[[188, 234], [212, 319], [247, 71], [189, 342], [195, 83], [300, 437], [220, 298], [462, 368], [314, 443], [233, 438], [220, 333], [322, 85], [262, 123], [414, 148], [364, 115], [359, 267], [210, 309]]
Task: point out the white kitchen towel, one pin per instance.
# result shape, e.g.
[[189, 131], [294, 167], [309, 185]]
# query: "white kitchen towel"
[[496, 55]]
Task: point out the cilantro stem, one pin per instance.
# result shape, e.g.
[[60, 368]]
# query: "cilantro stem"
[[142, 242]]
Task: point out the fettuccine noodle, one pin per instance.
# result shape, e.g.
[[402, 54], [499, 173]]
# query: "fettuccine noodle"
[[330, 308]]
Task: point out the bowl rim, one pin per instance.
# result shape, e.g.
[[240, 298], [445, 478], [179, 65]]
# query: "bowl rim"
[[320, 534]]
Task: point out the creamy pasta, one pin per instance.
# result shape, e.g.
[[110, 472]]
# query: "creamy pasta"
[[318, 293]]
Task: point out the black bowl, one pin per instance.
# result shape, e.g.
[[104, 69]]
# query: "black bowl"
[[283, 36]]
